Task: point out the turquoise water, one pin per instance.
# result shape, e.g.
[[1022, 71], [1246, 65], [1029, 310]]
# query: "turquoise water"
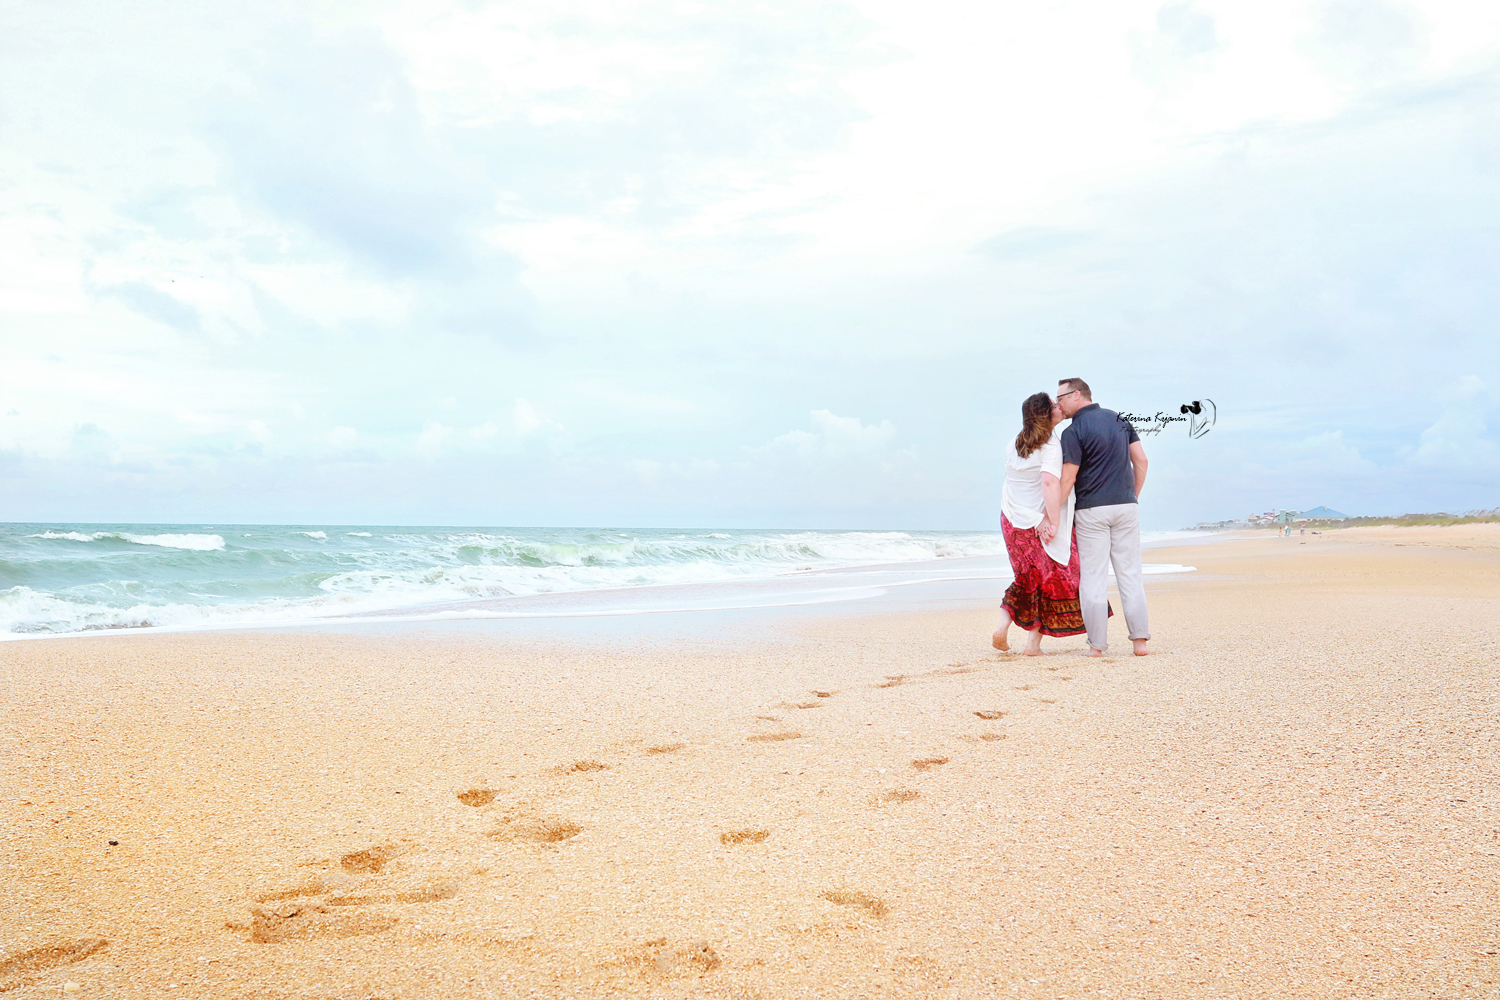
[[61, 578]]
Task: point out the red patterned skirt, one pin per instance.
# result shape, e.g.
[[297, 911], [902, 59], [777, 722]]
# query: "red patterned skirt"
[[1043, 593]]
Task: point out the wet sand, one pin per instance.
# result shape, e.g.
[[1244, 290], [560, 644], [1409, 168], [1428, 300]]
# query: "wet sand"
[[1296, 795]]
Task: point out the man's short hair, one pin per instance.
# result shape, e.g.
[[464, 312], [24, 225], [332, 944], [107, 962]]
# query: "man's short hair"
[[1078, 385]]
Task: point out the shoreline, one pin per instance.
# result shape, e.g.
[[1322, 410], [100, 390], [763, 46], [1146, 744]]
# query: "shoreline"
[[788, 589], [1284, 799]]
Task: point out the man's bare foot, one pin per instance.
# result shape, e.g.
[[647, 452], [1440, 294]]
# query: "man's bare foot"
[[1140, 647], [1091, 651], [998, 640]]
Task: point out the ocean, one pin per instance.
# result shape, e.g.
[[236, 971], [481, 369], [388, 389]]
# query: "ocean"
[[70, 578]]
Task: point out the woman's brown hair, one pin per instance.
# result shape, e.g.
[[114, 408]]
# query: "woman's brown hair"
[[1036, 424]]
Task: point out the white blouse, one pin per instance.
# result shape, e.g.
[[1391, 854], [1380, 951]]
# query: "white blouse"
[[1023, 501]]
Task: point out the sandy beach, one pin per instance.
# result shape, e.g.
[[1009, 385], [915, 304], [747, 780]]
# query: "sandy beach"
[[1296, 795]]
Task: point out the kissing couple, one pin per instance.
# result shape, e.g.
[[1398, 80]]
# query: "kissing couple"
[[1069, 512]]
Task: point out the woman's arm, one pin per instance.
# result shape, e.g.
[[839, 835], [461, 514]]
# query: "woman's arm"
[[1052, 494]]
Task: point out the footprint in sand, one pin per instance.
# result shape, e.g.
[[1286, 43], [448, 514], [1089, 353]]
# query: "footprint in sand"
[[327, 906], [990, 714], [15, 969], [666, 748], [992, 737], [659, 959], [928, 763], [336, 894], [581, 767], [824, 694], [773, 737], [317, 887], [801, 704], [898, 795], [525, 828], [744, 836], [477, 797], [424, 894], [370, 861], [846, 897], [893, 680], [1023, 687], [308, 919]]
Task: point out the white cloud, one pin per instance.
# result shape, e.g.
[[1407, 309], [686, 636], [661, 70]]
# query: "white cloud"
[[1327, 454], [1371, 40], [92, 445], [648, 471], [524, 416], [833, 436], [342, 437], [528, 420], [433, 439], [1457, 439]]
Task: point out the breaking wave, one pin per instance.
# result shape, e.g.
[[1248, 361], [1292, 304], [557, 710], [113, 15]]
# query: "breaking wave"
[[192, 543], [82, 578]]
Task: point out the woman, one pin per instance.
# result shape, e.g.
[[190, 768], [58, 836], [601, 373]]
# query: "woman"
[[1038, 525]]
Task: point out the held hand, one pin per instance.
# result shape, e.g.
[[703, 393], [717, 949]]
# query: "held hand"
[[1046, 531]]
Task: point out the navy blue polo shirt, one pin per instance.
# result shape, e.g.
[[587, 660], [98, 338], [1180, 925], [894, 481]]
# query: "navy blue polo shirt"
[[1098, 442]]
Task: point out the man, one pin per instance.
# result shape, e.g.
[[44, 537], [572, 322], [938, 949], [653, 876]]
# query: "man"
[[1104, 458]]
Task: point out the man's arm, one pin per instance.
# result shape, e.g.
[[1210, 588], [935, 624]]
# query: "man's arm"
[[1137, 459], [1070, 474]]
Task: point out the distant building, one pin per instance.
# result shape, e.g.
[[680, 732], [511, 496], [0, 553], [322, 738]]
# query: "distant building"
[[1321, 514], [1283, 515]]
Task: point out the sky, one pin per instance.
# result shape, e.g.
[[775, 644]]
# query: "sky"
[[785, 263]]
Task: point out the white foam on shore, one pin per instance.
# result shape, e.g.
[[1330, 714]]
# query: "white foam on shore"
[[70, 580], [55, 618]]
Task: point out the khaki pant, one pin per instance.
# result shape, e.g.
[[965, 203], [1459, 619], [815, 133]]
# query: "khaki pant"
[[1110, 535]]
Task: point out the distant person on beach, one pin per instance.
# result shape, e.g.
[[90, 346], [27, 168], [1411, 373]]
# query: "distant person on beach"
[[1104, 460], [1037, 519]]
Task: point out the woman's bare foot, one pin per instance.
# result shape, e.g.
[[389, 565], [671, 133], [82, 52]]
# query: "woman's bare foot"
[[1140, 647], [1033, 643], [999, 640]]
